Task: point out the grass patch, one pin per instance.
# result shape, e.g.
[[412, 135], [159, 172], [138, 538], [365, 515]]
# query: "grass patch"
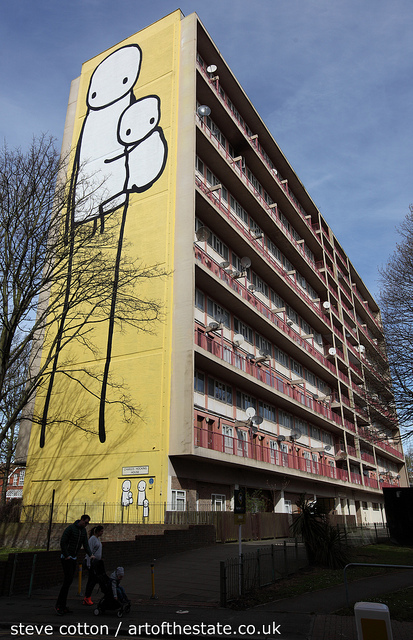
[[5, 551], [316, 578], [400, 605]]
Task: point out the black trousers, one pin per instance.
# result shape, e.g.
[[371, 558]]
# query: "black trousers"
[[91, 582], [69, 568]]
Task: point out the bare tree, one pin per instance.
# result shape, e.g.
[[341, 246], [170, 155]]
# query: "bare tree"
[[396, 300], [57, 287]]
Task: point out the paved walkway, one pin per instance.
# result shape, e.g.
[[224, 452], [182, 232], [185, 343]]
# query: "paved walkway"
[[187, 590]]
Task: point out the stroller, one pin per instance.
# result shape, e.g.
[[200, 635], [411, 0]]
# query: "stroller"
[[107, 601]]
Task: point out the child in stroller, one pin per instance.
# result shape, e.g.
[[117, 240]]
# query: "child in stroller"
[[114, 596]]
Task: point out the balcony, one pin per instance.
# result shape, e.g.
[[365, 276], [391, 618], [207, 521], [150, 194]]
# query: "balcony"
[[259, 306], [257, 148], [225, 352], [254, 449]]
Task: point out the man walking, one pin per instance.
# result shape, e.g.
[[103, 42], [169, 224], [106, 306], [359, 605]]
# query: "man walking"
[[73, 538]]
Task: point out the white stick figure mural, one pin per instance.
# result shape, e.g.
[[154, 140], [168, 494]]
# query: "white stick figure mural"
[[127, 495], [123, 149], [141, 492]]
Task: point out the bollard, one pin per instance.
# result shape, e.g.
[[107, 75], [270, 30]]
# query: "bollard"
[[153, 596], [372, 621], [79, 581]]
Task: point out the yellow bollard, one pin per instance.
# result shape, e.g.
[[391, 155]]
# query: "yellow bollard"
[[153, 596], [79, 581]]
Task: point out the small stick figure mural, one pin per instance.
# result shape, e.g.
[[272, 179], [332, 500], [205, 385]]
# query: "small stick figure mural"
[[123, 148]]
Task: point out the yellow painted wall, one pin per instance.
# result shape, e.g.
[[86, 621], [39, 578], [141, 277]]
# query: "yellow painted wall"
[[77, 465]]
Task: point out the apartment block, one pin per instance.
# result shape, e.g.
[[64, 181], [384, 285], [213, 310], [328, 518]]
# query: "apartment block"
[[269, 370]]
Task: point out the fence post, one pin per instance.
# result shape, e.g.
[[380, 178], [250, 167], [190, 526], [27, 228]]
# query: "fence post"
[[285, 559], [259, 567], [32, 576], [223, 583], [377, 535], [241, 575], [272, 563]]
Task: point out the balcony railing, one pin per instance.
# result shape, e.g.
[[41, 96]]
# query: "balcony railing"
[[226, 353], [282, 184], [223, 207], [244, 292], [254, 449]]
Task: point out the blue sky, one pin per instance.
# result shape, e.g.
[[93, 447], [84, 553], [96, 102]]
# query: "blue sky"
[[332, 80]]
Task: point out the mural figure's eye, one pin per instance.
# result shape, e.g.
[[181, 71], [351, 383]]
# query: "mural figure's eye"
[[128, 132], [152, 120], [125, 80], [94, 94]]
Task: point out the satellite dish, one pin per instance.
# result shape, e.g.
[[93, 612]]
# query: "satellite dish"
[[295, 435], [202, 234], [220, 318], [265, 354], [238, 339], [326, 304], [213, 326], [327, 447], [211, 68], [245, 262], [280, 438], [225, 264], [250, 411], [332, 351], [256, 420], [204, 110]]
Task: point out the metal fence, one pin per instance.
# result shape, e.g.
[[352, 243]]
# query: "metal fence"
[[243, 574], [364, 534]]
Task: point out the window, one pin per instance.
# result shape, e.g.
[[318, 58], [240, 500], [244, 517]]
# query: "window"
[[216, 311], [227, 432], [217, 502], [218, 246], [259, 284], [199, 382], [244, 401], [281, 357], [242, 442], [220, 391], [274, 250], [288, 506], [199, 299], [21, 477], [286, 419], [240, 327], [267, 411], [178, 500], [262, 344], [238, 210], [274, 452]]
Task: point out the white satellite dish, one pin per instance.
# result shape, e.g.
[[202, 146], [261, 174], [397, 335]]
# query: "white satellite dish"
[[245, 262], [211, 68], [204, 110], [326, 304], [250, 411], [332, 351], [202, 234], [238, 339]]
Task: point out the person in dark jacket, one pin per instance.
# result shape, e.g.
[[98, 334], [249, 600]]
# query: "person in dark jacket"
[[74, 537]]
